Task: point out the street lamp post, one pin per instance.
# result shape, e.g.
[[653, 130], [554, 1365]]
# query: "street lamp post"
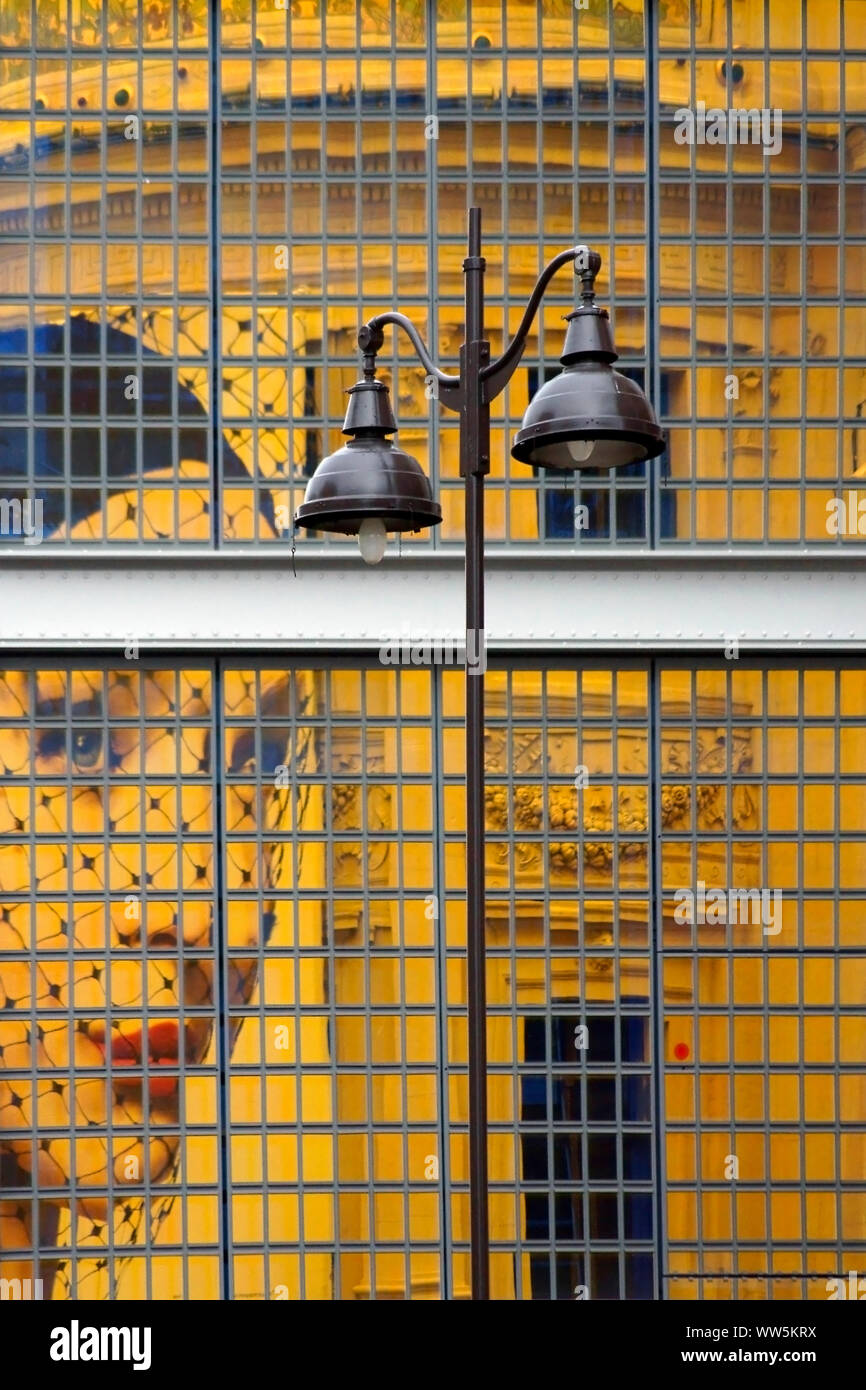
[[588, 415]]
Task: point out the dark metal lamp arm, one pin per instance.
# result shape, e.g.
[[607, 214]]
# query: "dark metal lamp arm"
[[371, 338], [497, 375]]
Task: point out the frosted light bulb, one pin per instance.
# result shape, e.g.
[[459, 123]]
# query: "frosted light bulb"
[[372, 539], [580, 449]]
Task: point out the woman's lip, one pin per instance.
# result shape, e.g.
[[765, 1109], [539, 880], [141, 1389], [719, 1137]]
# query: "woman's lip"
[[160, 1047], [163, 1043], [127, 1044]]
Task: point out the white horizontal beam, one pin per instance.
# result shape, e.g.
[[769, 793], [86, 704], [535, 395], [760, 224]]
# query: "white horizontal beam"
[[623, 601]]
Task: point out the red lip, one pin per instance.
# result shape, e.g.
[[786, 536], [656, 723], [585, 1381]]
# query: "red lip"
[[163, 1040], [127, 1050]]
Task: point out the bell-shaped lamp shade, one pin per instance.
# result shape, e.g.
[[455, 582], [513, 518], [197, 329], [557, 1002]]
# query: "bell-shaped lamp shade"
[[370, 479], [589, 416]]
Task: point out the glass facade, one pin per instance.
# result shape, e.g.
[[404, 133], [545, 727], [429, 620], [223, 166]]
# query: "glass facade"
[[233, 1038], [268, 862], [199, 205]]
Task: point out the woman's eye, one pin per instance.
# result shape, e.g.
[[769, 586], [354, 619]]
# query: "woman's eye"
[[80, 747], [274, 753], [243, 752], [86, 747]]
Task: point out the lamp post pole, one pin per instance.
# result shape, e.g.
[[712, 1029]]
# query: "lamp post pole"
[[474, 464], [369, 487]]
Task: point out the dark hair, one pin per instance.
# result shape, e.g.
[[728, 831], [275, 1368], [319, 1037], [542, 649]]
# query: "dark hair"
[[80, 336]]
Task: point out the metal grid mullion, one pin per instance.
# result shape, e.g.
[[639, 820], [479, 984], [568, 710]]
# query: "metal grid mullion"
[[656, 1020], [440, 939], [261, 1021], [397, 846], [840, 772], [325, 692], [369, 1071], [617, 968], [145, 978], [35, 1242], [551, 1022], [730, 853], [801, 916], [331, 965], [177, 797], [616, 895], [69, 909], [583, 1004]]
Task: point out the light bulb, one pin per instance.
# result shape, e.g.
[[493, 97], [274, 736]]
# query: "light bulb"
[[580, 449], [372, 540]]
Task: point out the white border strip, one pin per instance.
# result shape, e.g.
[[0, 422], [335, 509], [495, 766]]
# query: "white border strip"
[[624, 602]]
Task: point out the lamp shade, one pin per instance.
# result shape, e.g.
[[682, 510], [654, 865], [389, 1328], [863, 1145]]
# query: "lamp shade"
[[589, 416], [370, 477]]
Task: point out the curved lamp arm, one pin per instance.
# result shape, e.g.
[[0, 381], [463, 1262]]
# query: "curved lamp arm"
[[371, 339], [496, 375]]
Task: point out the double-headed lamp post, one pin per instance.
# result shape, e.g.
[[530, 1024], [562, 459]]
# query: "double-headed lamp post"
[[589, 415]]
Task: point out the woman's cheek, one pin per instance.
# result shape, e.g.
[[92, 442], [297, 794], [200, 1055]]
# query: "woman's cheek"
[[16, 870], [91, 1101], [15, 1106]]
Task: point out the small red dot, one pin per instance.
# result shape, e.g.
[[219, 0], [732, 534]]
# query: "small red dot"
[[681, 1051]]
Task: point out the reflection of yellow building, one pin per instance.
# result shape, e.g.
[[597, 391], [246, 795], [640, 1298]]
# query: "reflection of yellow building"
[[318, 193], [571, 932], [323, 208]]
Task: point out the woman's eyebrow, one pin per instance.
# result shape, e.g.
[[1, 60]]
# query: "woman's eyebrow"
[[53, 707], [49, 707], [87, 709]]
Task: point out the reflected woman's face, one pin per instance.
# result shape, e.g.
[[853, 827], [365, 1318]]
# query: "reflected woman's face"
[[107, 971], [88, 876]]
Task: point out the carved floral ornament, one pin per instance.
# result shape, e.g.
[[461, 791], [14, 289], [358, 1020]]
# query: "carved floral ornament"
[[593, 812], [590, 809]]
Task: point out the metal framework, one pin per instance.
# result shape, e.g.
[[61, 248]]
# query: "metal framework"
[[159, 254], [321, 1150], [796, 601], [609, 1169]]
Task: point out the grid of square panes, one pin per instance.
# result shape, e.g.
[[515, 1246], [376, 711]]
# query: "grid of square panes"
[[761, 272], [179, 279], [570, 1046], [318, 1109], [763, 1037], [109, 1160], [105, 264], [395, 117], [542, 123], [333, 1089]]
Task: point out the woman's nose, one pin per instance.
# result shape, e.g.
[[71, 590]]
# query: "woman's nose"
[[161, 933], [154, 922], [164, 924]]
